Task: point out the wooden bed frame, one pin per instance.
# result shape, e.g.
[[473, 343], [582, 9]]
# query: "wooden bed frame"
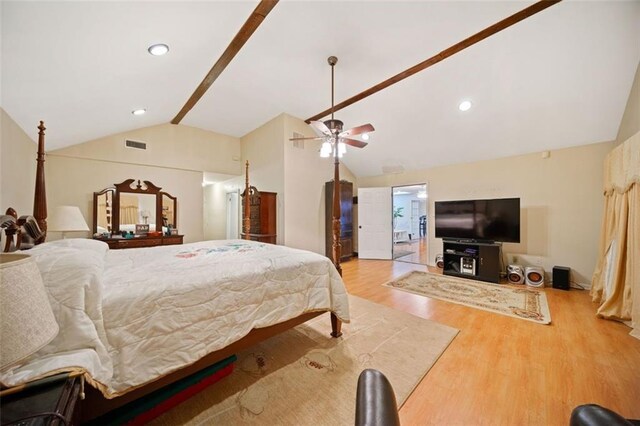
[[96, 404]]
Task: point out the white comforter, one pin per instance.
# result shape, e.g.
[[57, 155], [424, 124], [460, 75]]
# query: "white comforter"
[[128, 317]]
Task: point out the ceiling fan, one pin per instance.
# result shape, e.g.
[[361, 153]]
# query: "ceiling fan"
[[330, 131]]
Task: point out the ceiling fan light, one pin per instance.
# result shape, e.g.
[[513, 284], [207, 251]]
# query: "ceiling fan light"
[[365, 136], [342, 149], [325, 151]]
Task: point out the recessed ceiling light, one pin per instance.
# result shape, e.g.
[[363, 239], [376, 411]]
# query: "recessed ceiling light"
[[464, 105], [365, 136], [138, 111], [158, 49]]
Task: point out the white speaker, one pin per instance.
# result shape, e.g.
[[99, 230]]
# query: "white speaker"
[[439, 261], [534, 276], [515, 274]]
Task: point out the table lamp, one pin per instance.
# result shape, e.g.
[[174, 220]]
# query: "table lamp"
[[67, 219], [27, 322]]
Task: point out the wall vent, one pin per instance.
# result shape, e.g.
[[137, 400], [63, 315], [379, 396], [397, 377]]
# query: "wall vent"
[[135, 144], [298, 144]]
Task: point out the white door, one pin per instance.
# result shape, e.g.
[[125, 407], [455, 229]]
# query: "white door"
[[374, 223], [232, 216]]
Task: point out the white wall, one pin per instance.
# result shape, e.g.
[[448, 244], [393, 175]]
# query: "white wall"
[[561, 201], [215, 212]]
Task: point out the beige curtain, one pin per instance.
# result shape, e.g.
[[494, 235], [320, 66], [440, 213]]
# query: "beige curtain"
[[128, 209], [616, 280]]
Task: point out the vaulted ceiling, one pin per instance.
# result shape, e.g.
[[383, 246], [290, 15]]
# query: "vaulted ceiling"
[[560, 78]]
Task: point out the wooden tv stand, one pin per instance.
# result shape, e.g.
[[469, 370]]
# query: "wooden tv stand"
[[474, 260]]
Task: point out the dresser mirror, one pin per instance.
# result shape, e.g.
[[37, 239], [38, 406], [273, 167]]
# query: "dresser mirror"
[[132, 203], [169, 214], [102, 210]]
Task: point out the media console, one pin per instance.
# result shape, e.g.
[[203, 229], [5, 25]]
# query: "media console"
[[475, 260]]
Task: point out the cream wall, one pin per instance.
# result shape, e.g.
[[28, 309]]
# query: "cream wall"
[[264, 150], [560, 196], [305, 176], [168, 146], [175, 160], [17, 166], [630, 124]]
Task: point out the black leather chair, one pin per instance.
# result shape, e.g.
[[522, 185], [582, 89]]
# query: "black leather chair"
[[375, 400], [595, 415]]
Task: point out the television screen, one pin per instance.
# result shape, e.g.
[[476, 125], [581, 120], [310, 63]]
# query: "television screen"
[[482, 220]]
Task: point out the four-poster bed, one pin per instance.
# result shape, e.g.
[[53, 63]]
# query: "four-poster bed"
[[316, 288]]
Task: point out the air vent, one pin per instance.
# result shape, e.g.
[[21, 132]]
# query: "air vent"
[[135, 144], [298, 144]]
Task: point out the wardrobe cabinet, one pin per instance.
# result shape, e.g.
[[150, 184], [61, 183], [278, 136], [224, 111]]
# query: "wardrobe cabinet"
[[346, 219]]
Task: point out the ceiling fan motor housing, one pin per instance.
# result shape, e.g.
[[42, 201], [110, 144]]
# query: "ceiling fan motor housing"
[[334, 125]]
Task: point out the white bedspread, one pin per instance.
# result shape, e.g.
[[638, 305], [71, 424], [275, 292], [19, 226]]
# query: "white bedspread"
[[166, 307]]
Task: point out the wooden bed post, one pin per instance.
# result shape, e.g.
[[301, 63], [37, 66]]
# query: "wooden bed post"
[[246, 221], [336, 324], [40, 197]]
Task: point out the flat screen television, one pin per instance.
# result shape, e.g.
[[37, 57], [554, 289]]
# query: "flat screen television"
[[479, 220]]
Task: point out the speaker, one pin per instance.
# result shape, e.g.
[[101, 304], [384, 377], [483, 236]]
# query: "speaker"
[[534, 276], [440, 261], [515, 274], [561, 277]]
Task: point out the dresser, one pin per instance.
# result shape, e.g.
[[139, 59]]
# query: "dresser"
[[346, 219], [141, 241], [262, 213]]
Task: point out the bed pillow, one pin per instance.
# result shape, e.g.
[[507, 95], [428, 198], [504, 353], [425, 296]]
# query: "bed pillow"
[[99, 247]]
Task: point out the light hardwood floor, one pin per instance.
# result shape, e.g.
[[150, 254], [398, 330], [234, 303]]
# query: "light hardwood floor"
[[418, 249], [506, 371]]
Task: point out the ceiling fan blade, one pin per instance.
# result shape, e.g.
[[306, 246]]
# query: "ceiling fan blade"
[[365, 128], [354, 142], [315, 138], [320, 128]]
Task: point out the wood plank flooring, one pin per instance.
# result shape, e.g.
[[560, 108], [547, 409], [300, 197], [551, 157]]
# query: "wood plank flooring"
[[506, 371]]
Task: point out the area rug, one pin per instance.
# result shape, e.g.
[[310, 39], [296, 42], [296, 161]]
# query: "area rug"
[[303, 376], [522, 302]]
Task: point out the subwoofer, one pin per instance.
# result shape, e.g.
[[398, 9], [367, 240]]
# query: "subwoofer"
[[440, 261], [515, 274], [534, 276]]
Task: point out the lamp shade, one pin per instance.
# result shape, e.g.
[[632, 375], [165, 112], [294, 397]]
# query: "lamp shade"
[[67, 218], [26, 320]]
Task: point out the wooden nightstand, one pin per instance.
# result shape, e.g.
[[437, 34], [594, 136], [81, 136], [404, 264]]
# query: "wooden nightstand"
[[56, 403]]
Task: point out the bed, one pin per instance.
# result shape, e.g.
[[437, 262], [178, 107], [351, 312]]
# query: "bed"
[[135, 320]]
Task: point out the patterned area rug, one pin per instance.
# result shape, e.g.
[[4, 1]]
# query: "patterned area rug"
[[304, 377], [519, 302]]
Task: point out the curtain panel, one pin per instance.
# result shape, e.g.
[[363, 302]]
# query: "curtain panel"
[[616, 279]]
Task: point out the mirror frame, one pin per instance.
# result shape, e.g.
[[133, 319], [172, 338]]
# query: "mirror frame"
[[175, 208], [126, 187], [105, 191]]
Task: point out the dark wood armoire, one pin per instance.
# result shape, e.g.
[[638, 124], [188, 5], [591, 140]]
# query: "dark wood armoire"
[[346, 219], [262, 212]]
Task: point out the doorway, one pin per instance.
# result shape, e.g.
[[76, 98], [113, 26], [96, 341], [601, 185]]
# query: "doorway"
[[409, 213], [233, 215]]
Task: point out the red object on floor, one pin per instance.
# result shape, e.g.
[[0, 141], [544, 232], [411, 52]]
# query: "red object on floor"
[[180, 397]]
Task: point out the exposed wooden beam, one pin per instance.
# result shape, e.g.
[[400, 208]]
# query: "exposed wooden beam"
[[252, 23], [470, 41]]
